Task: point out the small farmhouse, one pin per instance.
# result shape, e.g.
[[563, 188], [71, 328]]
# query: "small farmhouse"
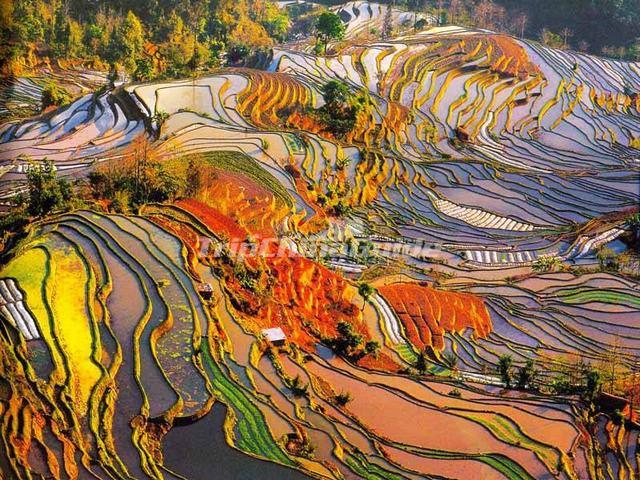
[[206, 291], [275, 336]]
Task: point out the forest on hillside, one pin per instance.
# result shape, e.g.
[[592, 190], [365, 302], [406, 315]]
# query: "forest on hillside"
[[606, 27], [145, 38], [169, 38]]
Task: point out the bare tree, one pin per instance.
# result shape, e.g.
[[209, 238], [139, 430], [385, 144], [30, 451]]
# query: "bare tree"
[[521, 21], [566, 35], [440, 10], [387, 25], [454, 10], [489, 15], [632, 390]]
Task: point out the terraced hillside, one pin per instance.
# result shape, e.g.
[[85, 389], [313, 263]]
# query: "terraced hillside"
[[90, 130], [126, 336], [21, 96], [459, 224]]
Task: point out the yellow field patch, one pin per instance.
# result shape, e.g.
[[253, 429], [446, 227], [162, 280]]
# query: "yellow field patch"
[[68, 291], [29, 269]]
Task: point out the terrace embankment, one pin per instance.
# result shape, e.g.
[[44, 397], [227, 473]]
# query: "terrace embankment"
[[427, 314]]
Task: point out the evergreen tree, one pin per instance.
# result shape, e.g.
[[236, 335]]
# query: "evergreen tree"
[[365, 291], [526, 375], [504, 368]]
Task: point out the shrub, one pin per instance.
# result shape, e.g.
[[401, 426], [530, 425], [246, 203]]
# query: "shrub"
[[593, 383], [121, 202], [351, 344], [547, 263], [237, 53], [47, 193], [159, 118], [371, 347], [455, 393], [342, 162], [341, 209], [617, 417], [342, 398], [607, 259], [551, 39], [298, 388], [54, 95]]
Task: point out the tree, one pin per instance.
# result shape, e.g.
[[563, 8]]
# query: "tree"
[[505, 363], [489, 15], [610, 368], [335, 94], [144, 69], [329, 26], [387, 25], [177, 44], [583, 46], [593, 383], [348, 341], [249, 34], [194, 178], [47, 193], [526, 375], [633, 51], [341, 108], [128, 42], [631, 391], [67, 41], [566, 35], [275, 20], [633, 223], [421, 363], [365, 291], [521, 21], [455, 7]]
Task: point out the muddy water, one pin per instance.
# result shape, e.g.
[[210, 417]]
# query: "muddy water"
[[125, 304], [199, 452], [385, 412]]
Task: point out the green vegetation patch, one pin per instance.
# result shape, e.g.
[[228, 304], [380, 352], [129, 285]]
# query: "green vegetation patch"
[[509, 432], [254, 434], [360, 466], [294, 144], [507, 467], [406, 353], [586, 295], [237, 162]]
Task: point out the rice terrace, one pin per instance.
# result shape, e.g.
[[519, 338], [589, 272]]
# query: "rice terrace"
[[272, 240]]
